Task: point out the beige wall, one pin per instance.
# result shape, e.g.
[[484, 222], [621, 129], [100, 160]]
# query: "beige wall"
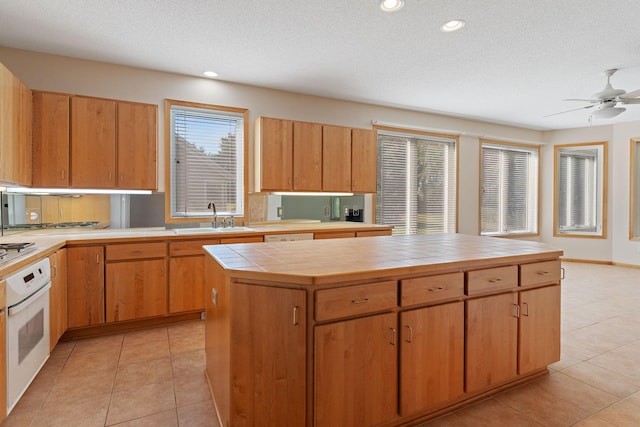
[[54, 73]]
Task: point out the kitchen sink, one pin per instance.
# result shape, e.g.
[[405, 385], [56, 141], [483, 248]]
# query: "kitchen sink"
[[210, 230]]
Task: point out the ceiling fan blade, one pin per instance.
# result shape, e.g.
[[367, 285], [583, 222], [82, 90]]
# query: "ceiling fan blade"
[[568, 111], [594, 101], [633, 94], [630, 101]]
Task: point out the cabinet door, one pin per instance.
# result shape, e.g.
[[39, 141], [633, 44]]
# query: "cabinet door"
[[24, 137], [50, 139], [336, 158], [137, 146], [3, 364], [431, 356], [136, 289], [268, 353], [275, 151], [58, 296], [539, 328], [307, 156], [186, 284], [491, 340], [85, 286], [355, 376], [9, 125], [364, 161], [93, 142]]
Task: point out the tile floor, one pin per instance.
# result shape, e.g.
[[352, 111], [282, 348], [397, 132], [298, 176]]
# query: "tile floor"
[[155, 377]]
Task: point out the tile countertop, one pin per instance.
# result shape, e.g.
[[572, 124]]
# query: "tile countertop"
[[48, 241], [337, 260]]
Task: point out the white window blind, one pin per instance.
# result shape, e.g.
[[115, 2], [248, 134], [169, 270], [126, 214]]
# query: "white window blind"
[[635, 188], [416, 183], [578, 191], [509, 190], [207, 161]]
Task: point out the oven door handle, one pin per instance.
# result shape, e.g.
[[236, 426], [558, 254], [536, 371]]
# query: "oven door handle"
[[17, 308]]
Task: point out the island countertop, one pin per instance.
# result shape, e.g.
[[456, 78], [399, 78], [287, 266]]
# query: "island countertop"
[[320, 262]]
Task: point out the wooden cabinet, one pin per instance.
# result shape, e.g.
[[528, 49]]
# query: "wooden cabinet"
[[137, 140], [3, 351], [136, 281], [364, 161], [50, 139], [186, 275], [273, 154], [58, 296], [15, 129], [336, 156], [355, 371], [307, 156], [85, 286], [93, 142], [431, 356], [84, 142], [491, 332], [539, 328]]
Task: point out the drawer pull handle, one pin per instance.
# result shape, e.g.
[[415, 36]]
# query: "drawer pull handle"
[[359, 301], [436, 289], [517, 307], [496, 280], [393, 336], [136, 252], [410, 340], [562, 273], [542, 273], [525, 311], [295, 316]]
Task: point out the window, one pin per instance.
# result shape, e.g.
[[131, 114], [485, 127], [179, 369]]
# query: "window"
[[508, 189], [634, 232], [580, 190], [206, 160], [416, 182]]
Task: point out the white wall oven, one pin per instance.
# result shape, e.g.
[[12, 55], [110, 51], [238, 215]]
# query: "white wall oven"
[[27, 327]]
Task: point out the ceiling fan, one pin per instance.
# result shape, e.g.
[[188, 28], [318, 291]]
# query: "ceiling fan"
[[606, 100]]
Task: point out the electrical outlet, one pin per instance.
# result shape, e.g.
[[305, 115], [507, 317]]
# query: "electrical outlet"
[[327, 212], [279, 213]]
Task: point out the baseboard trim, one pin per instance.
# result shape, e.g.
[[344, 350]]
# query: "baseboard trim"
[[591, 261]]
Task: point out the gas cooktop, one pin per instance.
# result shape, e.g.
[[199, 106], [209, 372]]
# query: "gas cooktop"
[[11, 251]]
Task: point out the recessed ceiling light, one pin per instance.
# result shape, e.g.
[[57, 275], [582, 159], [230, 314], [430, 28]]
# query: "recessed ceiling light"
[[210, 74], [391, 5], [453, 25]]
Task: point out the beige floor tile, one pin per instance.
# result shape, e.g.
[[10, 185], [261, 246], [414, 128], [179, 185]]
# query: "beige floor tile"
[[188, 364], [133, 403], [87, 412], [594, 421], [624, 413], [21, 419], [542, 406], [491, 412], [63, 349], [161, 419], [191, 389], [580, 394], [186, 328], [78, 387], [198, 415], [146, 372], [83, 364], [186, 343], [146, 351], [99, 344], [623, 360], [145, 336], [602, 378]]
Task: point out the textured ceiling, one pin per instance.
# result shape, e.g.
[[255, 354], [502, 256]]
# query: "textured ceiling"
[[512, 63]]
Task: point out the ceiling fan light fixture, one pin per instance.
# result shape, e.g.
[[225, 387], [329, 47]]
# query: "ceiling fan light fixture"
[[608, 113], [391, 5], [452, 25]]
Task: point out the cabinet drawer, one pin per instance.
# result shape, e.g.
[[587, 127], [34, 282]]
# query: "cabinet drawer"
[[491, 279], [428, 289], [371, 233], [335, 235], [540, 273], [246, 239], [190, 247], [354, 300], [136, 251]]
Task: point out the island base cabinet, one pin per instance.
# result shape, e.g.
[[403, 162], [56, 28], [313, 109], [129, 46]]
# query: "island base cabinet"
[[3, 364], [491, 341], [431, 356], [356, 371], [539, 328]]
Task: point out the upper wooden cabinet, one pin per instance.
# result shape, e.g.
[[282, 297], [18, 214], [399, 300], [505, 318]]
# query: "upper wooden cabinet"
[[84, 142], [304, 156], [136, 142], [50, 139], [15, 129]]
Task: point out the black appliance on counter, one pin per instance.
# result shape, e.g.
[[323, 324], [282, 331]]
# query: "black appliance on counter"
[[354, 215]]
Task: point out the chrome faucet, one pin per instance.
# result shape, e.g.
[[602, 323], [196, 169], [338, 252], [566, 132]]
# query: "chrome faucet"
[[212, 206]]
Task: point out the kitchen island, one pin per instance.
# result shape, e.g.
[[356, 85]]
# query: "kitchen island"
[[376, 331]]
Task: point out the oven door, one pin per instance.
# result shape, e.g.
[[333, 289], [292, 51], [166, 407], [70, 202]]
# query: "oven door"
[[27, 342]]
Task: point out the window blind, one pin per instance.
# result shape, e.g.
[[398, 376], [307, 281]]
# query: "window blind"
[[578, 191], [416, 183], [509, 190], [207, 161], [635, 183]]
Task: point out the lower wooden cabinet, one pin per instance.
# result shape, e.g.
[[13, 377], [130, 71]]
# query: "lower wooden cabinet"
[[3, 362], [58, 296], [85, 286], [136, 289], [431, 356], [186, 283], [355, 371]]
